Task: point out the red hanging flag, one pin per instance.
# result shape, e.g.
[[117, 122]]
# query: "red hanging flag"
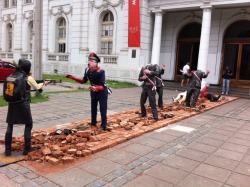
[[134, 32]]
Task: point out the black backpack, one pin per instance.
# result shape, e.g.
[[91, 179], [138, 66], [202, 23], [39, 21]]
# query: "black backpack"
[[14, 88]]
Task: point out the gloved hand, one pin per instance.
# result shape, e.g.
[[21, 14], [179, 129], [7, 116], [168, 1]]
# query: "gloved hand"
[[96, 88], [69, 76]]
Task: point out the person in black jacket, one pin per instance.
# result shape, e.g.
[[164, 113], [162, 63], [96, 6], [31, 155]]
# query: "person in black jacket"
[[159, 86], [20, 113], [195, 87], [147, 75], [227, 73], [98, 89]]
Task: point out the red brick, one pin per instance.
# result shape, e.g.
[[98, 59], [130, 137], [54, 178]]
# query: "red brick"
[[46, 151], [67, 159], [53, 161], [72, 151]]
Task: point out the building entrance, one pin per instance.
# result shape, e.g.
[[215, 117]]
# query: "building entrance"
[[236, 53], [187, 48]]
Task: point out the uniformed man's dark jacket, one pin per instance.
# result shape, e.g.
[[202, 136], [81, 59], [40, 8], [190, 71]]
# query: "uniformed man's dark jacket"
[[96, 78], [159, 81], [154, 71], [197, 78]]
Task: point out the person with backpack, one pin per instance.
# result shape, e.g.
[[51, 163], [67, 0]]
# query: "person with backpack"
[[16, 92], [195, 87], [98, 89]]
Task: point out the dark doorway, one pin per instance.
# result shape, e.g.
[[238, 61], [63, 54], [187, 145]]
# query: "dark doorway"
[[188, 47], [236, 53]]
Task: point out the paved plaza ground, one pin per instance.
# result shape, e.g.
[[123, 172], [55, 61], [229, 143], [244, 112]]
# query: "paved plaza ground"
[[209, 149]]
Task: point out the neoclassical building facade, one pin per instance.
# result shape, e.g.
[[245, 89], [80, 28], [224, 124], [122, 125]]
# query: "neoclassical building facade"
[[207, 33]]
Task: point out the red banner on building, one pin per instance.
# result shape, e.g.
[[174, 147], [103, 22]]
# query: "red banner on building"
[[134, 32]]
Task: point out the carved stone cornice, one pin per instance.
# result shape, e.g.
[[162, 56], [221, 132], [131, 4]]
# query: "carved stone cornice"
[[9, 17], [60, 11], [242, 13], [193, 16], [28, 15], [106, 3]]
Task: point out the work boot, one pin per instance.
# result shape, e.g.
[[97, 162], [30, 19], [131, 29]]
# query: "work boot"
[[8, 141], [7, 152], [27, 146]]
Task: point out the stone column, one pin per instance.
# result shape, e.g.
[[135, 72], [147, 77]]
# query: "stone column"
[[37, 40], [156, 49], [204, 41]]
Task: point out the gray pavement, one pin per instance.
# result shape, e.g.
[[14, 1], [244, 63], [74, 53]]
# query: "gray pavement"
[[209, 149]]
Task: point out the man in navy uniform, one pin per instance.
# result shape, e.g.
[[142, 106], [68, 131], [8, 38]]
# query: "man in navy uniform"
[[147, 75], [98, 89]]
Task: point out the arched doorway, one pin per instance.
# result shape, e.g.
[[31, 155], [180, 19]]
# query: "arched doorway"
[[187, 47], [236, 52]]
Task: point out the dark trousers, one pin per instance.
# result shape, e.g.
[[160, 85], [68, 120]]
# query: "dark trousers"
[[194, 94], [147, 92], [212, 97], [27, 136], [159, 91], [103, 110]]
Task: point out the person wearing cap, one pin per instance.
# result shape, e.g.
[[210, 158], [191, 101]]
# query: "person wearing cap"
[[98, 89], [19, 112]]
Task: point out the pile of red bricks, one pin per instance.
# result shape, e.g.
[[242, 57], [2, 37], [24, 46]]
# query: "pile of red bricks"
[[78, 139]]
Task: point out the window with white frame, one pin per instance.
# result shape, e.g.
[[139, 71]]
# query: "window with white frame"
[[9, 38], [30, 36], [61, 35], [107, 26], [10, 3]]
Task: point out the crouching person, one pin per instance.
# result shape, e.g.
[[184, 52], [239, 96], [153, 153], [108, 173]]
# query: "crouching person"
[[19, 111], [181, 97], [211, 97]]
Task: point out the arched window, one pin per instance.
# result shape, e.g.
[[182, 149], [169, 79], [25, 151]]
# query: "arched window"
[[10, 3], [107, 26], [9, 37], [61, 35], [30, 38]]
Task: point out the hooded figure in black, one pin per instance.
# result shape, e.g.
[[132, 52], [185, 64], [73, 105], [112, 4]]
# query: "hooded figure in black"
[[20, 113]]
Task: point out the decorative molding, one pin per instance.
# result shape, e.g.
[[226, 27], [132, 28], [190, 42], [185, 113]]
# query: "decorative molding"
[[9, 17], [193, 16], [28, 15], [60, 11], [242, 14], [105, 4]]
